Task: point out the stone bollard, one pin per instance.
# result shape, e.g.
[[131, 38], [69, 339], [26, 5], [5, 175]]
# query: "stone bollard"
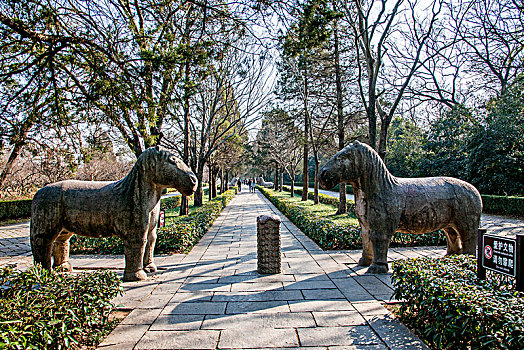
[[268, 244]]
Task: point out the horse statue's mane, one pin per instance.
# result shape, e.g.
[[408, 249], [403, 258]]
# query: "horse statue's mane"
[[134, 177], [374, 167]]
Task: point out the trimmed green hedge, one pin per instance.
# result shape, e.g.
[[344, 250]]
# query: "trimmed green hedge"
[[452, 309], [15, 209], [184, 233], [40, 309], [170, 202], [323, 198], [349, 188], [332, 236], [177, 237], [504, 205], [324, 232]]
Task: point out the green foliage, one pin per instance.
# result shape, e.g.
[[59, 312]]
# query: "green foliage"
[[183, 234], [15, 209], [446, 144], [326, 233], [496, 148], [312, 29], [329, 232], [170, 202], [40, 309], [503, 205], [405, 154], [178, 236], [452, 309], [349, 188], [323, 198]]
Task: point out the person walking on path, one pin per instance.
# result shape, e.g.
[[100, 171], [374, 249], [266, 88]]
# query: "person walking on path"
[[252, 185], [239, 184]]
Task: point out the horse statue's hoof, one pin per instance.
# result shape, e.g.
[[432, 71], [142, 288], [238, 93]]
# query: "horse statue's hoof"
[[378, 268], [365, 261], [139, 275], [150, 268]]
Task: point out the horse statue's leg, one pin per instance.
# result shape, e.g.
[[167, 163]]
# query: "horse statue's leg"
[[42, 237], [380, 242], [452, 241], [468, 234], [134, 247], [61, 251], [149, 265], [367, 247]]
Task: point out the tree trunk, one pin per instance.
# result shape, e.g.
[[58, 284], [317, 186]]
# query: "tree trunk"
[[342, 207], [184, 205], [15, 152], [198, 193], [275, 181], [305, 177], [226, 184], [293, 185], [213, 188], [221, 180], [315, 197], [281, 183], [383, 139]]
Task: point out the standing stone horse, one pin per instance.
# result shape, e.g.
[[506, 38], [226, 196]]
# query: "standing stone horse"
[[127, 208], [385, 204]]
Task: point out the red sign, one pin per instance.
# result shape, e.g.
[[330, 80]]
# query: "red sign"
[[162, 219], [488, 252]]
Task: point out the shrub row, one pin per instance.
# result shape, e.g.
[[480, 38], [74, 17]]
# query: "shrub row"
[[326, 233], [332, 236], [503, 205], [170, 202], [183, 234], [179, 236], [40, 309], [15, 209], [349, 188], [323, 198], [452, 309]]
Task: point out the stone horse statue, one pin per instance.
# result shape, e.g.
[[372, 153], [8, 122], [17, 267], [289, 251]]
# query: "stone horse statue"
[[385, 204], [127, 208]]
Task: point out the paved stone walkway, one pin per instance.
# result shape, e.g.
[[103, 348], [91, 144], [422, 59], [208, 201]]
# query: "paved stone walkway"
[[214, 298]]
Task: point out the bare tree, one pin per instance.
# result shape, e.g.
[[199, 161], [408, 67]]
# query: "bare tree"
[[375, 32], [226, 102]]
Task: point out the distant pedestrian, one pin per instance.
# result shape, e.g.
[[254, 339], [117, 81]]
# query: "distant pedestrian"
[[252, 185], [239, 184]]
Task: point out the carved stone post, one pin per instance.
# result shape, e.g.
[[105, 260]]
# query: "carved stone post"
[[268, 244]]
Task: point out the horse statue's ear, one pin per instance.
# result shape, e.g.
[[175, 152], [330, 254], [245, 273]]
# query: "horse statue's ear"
[[357, 143], [157, 147]]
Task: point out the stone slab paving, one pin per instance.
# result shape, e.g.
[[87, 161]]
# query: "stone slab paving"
[[214, 298]]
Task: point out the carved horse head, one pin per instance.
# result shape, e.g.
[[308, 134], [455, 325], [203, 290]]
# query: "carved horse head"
[[345, 166], [167, 170]]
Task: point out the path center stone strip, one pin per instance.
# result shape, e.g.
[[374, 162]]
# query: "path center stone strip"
[[214, 298]]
